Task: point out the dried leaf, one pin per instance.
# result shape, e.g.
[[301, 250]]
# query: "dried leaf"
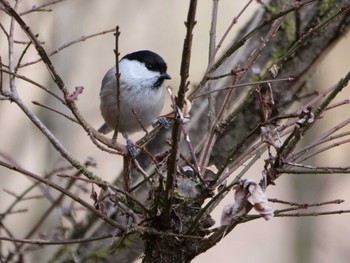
[[258, 199], [232, 212], [240, 193], [247, 190]]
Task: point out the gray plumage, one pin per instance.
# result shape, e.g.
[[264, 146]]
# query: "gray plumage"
[[141, 90]]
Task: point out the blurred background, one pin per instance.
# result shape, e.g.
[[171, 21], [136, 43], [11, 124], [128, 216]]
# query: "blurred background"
[[159, 26]]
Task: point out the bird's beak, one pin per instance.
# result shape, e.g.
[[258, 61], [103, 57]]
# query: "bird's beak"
[[165, 76]]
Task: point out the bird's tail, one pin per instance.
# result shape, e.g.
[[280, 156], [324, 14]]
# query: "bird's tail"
[[104, 129]]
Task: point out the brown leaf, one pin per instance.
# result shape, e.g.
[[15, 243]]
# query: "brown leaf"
[[247, 190], [258, 199]]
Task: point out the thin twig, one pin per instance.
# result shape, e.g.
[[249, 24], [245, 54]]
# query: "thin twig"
[[101, 147], [212, 32], [64, 191], [290, 143], [16, 246], [310, 33], [23, 198], [231, 73], [108, 185], [303, 206], [30, 188], [235, 46], [325, 137], [11, 50], [336, 212], [56, 111], [147, 179], [1, 76], [22, 55], [4, 30], [33, 83], [212, 135], [60, 84], [141, 171], [211, 59], [127, 172], [139, 121], [220, 195], [340, 103], [19, 211], [73, 42], [234, 21], [117, 77], [40, 7], [317, 170], [313, 213], [245, 85], [56, 242], [48, 211], [323, 149]]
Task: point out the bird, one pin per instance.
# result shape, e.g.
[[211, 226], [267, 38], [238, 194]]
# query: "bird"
[[142, 75]]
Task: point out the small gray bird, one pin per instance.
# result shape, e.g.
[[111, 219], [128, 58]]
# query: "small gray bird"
[[142, 74]]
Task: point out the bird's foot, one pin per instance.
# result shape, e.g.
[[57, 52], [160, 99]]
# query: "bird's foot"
[[131, 148], [164, 122]]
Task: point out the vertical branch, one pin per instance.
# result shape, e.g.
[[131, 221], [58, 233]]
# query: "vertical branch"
[[204, 157], [234, 21], [212, 135], [212, 44], [117, 76], [182, 122], [11, 50], [1, 75], [212, 39], [127, 177], [176, 132]]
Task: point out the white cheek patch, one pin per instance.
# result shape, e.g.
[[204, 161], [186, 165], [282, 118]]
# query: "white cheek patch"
[[135, 73]]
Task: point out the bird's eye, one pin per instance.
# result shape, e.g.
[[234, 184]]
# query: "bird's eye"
[[149, 66]]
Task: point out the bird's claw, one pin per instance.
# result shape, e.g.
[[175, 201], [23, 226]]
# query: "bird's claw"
[[131, 148], [164, 122]]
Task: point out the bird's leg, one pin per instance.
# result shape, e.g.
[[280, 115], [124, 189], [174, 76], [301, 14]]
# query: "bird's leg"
[[164, 122], [130, 145]]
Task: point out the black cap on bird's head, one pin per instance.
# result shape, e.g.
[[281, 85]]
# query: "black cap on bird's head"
[[152, 61]]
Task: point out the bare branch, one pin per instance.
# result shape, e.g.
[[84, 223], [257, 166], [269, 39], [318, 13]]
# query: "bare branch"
[[176, 133], [62, 190], [117, 77], [73, 42]]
